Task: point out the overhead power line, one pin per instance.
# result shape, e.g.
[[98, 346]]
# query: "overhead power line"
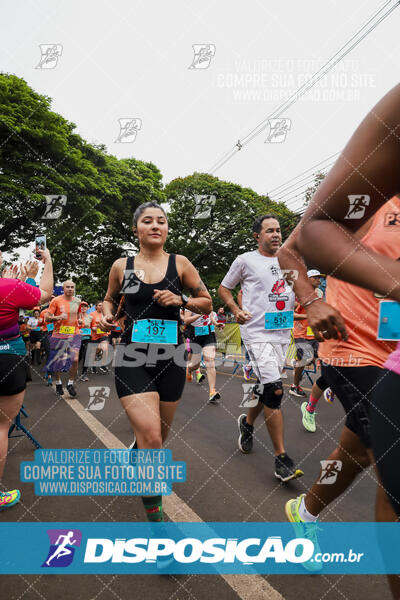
[[283, 185], [329, 65]]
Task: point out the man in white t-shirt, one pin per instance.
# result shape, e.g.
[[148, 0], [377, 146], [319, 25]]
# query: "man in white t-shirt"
[[265, 323]]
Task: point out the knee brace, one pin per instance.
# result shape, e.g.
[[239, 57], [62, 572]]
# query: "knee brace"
[[272, 394]]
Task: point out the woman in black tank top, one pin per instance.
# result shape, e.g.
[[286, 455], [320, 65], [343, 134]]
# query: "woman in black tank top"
[[150, 361]]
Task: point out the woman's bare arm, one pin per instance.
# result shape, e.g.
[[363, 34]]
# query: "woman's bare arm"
[[364, 177]]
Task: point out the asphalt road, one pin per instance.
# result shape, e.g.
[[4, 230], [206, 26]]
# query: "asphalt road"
[[222, 485]]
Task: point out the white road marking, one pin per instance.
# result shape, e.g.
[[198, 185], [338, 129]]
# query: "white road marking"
[[247, 587]]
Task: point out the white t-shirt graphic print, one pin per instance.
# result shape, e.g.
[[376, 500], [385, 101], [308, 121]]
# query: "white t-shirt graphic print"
[[264, 290]]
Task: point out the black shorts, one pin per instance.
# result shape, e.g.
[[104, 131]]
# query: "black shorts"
[[165, 376], [13, 374], [203, 341], [385, 433], [354, 387], [35, 336], [306, 349], [189, 332]]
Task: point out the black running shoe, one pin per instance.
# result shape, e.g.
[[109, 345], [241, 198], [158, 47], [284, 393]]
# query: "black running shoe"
[[71, 390], [245, 441], [296, 390], [285, 469], [214, 397], [59, 389]]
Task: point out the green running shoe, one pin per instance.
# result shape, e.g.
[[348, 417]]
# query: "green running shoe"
[[308, 418], [200, 377], [303, 529]]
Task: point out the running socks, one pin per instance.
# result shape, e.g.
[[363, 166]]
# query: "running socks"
[[304, 514], [153, 508], [312, 404]]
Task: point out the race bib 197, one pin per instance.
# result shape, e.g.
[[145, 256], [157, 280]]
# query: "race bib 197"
[[155, 331]]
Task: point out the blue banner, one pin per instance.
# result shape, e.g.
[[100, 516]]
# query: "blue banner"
[[192, 548], [76, 472]]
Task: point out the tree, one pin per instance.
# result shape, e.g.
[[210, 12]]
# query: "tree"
[[41, 154], [213, 243], [310, 191]]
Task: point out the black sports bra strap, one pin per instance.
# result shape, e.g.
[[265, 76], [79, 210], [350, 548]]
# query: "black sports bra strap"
[[171, 269], [130, 263]]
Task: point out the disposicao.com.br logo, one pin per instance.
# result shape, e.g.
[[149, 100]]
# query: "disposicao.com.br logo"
[[62, 547], [193, 550], [197, 548]]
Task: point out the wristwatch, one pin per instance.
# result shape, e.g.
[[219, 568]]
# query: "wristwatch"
[[185, 300]]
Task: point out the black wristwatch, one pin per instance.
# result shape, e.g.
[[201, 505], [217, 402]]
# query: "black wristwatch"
[[185, 300]]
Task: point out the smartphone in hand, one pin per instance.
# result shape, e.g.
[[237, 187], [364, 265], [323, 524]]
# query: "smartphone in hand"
[[40, 243]]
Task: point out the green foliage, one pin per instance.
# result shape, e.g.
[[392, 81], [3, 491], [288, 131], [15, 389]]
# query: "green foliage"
[[40, 155], [310, 191], [212, 244]]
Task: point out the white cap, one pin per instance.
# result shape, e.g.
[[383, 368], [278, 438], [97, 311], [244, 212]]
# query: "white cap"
[[313, 273]]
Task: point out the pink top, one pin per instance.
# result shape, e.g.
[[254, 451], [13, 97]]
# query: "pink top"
[[15, 294], [393, 362]]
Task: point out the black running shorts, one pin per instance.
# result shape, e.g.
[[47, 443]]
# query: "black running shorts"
[[13, 374], [166, 377], [354, 387], [385, 433], [203, 341], [35, 336]]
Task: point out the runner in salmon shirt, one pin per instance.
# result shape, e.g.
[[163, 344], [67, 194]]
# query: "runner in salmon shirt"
[[352, 369], [334, 233], [64, 312], [99, 337]]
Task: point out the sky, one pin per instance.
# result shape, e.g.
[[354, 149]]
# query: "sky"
[[131, 59]]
